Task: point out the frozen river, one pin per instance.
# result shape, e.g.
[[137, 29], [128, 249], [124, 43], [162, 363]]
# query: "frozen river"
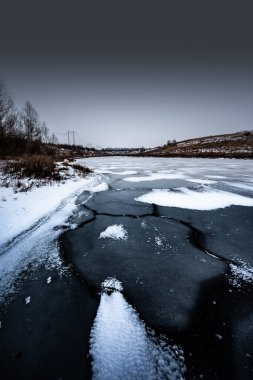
[[157, 280]]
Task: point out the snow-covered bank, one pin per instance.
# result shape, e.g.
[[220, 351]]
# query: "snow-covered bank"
[[19, 211], [31, 223], [121, 347]]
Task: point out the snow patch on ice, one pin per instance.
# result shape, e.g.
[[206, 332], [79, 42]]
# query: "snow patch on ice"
[[208, 199], [156, 176], [121, 347], [242, 186], [216, 176], [158, 241], [240, 274], [111, 284], [143, 224], [103, 186], [202, 181], [127, 172], [115, 231]]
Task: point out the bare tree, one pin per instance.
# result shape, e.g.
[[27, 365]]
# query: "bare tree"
[[8, 114], [44, 133], [30, 123], [53, 139]]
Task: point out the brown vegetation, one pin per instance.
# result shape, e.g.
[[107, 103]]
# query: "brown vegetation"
[[33, 166], [26, 145], [234, 145], [81, 169]]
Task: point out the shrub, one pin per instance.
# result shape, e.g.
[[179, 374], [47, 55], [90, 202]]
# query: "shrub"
[[81, 168], [35, 166]]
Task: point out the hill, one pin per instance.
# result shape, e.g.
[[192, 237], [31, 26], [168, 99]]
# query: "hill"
[[232, 145]]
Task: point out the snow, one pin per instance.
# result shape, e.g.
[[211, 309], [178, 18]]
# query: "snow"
[[242, 186], [20, 211], [208, 199], [156, 176], [126, 172], [103, 186], [216, 176], [240, 274], [49, 279], [158, 241], [121, 348], [27, 300], [29, 238], [202, 181], [111, 284], [115, 231]]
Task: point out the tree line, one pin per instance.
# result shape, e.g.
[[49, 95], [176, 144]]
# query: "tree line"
[[21, 131]]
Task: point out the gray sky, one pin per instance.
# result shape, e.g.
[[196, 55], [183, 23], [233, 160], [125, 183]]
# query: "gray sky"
[[133, 73]]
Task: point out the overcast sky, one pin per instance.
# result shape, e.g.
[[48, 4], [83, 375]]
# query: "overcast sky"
[[131, 73]]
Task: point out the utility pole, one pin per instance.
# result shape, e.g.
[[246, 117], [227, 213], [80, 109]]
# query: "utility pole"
[[73, 134], [73, 137]]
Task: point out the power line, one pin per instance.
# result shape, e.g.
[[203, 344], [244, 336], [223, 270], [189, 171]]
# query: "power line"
[[69, 133]]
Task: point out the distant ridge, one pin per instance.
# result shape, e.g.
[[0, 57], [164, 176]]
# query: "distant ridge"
[[232, 145]]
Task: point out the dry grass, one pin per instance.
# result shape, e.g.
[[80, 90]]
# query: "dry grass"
[[41, 168], [81, 169], [34, 166]]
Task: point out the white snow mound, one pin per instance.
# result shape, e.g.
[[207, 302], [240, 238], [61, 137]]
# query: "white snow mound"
[[115, 231], [209, 199]]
